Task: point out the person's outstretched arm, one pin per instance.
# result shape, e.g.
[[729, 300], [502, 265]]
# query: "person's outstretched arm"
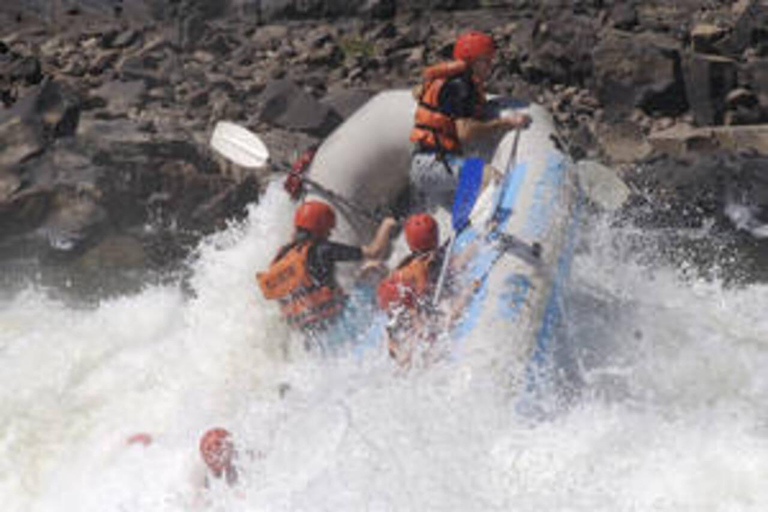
[[378, 247]]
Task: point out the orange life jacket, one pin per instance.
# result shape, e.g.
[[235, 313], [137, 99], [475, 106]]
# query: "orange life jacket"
[[303, 301], [432, 128], [414, 271]]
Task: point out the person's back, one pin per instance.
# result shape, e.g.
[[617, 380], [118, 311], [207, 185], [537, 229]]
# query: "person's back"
[[302, 275]]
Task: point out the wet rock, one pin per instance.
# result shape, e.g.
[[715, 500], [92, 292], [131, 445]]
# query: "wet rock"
[[26, 69], [623, 142], [756, 75], [683, 140], [750, 26], [73, 218], [51, 110], [624, 15], [9, 184], [269, 37], [19, 141], [640, 71], [705, 36], [103, 62], [708, 78], [345, 102], [119, 97], [285, 104], [119, 251], [120, 39], [24, 211]]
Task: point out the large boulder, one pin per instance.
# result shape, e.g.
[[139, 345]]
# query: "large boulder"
[[640, 71], [682, 140], [708, 80], [561, 48], [52, 110], [285, 104]]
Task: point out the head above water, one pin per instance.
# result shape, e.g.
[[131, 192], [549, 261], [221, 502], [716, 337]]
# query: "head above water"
[[217, 450], [316, 218]]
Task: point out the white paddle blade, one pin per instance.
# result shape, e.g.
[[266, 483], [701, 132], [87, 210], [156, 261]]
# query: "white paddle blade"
[[239, 145]]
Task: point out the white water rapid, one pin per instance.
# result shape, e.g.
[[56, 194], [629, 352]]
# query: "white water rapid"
[[667, 408]]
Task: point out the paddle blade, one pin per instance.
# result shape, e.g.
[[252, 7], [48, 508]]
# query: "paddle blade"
[[239, 145], [470, 182]]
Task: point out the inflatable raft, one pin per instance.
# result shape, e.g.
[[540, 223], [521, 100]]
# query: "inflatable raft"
[[367, 160]]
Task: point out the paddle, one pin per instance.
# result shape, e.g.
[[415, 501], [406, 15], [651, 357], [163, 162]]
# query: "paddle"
[[246, 149], [470, 182]]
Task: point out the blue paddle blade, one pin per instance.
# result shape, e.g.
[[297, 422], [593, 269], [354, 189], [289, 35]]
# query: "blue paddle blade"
[[470, 182]]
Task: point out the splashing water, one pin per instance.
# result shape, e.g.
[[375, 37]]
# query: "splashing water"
[[665, 399]]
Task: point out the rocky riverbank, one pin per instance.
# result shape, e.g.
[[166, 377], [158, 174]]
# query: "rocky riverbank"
[[108, 106]]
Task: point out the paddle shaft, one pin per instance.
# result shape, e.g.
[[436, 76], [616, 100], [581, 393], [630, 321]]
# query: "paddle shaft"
[[443, 271], [334, 197], [245, 148]]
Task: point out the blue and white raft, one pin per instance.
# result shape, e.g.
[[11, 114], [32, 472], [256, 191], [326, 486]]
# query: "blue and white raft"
[[367, 160]]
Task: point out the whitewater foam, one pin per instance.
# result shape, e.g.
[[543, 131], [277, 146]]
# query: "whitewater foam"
[[660, 400]]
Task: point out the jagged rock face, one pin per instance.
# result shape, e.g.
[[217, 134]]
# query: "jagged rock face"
[[108, 106]]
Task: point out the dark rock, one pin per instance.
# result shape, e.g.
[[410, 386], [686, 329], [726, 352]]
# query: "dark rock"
[[561, 49], [144, 67], [9, 184], [285, 104], [708, 78], [638, 72], [269, 37], [385, 31], [19, 141], [705, 37], [346, 101], [750, 28], [27, 69], [756, 75], [118, 251], [120, 39], [683, 141], [24, 211], [198, 99], [103, 62], [51, 110], [227, 204], [73, 218], [120, 97], [623, 142], [624, 15], [220, 45]]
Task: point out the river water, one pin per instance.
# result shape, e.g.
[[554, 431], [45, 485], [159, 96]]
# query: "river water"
[[663, 405]]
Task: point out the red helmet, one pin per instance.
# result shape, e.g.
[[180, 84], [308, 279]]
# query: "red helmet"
[[393, 292], [217, 450], [421, 232], [473, 45], [316, 217]]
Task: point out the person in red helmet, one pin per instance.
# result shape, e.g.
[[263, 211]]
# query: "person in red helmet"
[[406, 294], [302, 275], [449, 114], [218, 452]]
